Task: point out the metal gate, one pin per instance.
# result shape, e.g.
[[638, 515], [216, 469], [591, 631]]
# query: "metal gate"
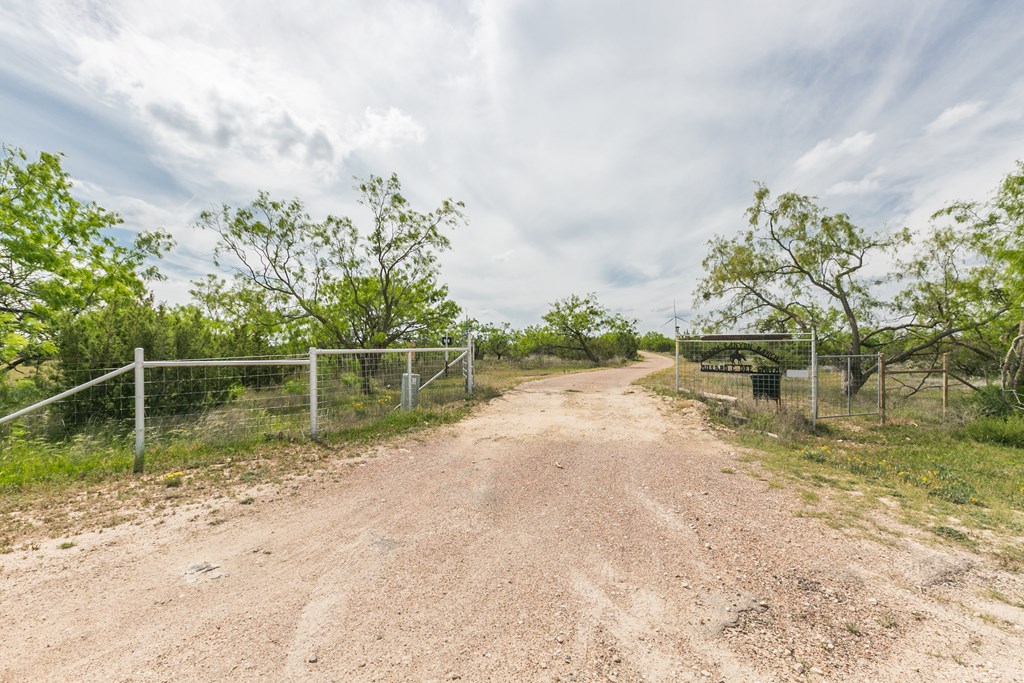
[[847, 386], [769, 369]]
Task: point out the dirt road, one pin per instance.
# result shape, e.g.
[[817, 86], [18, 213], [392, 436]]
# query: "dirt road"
[[576, 529]]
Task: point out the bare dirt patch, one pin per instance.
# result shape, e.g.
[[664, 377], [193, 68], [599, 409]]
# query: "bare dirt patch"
[[576, 529]]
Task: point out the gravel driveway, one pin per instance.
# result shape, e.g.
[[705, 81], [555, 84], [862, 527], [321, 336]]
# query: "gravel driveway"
[[576, 529]]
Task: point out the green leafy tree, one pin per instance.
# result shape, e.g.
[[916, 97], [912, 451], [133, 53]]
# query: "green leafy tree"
[[498, 340], [344, 288], [657, 342], [799, 268], [243, 321], [997, 230], [536, 340], [582, 325], [58, 257]]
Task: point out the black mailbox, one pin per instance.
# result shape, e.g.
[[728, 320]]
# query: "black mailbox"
[[767, 386]]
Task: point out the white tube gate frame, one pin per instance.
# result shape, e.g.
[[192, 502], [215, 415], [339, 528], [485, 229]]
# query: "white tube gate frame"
[[140, 365]]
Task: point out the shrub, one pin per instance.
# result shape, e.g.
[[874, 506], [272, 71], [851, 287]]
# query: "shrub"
[[1003, 431], [989, 402]]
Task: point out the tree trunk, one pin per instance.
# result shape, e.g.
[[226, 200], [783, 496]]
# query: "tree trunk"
[[1013, 362], [368, 368], [858, 376]]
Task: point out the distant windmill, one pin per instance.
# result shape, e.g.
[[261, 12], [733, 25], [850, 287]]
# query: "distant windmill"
[[675, 317]]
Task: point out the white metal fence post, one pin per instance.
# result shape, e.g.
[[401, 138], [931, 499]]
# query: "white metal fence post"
[[677, 363], [469, 372], [408, 400], [313, 406], [140, 411], [880, 375], [849, 385], [814, 381]]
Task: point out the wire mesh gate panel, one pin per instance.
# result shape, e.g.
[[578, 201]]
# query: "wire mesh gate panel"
[[773, 369], [173, 407], [354, 386], [847, 386], [225, 400]]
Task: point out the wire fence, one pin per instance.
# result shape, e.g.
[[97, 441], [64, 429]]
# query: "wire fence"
[[925, 389], [847, 386], [773, 370], [183, 405], [263, 398], [354, 387], [784, 372]]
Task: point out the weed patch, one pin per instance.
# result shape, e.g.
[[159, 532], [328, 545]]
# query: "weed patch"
[[951, 533]]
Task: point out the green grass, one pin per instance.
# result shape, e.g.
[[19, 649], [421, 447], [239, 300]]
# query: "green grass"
[[1007, 431]]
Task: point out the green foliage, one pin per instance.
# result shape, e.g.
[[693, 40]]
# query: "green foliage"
[[106, 338], [951, 533], [581, 325], [996, 228], [500, 341], [537, 339], [656, 342], [799, 268], [1006, 431], [819, 454], [989, 402], [60, 258], [955, 491], [324, 281]]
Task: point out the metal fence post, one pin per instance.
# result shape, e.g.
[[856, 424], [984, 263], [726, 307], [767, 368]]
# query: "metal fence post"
[[849, 385], [408, 400], [677, 363], [469, 367], [881, 386], [814, 381], [140, 411], [945, 383], [313, 406]]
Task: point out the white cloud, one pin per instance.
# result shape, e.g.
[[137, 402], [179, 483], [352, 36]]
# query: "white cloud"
[[827, 152], [597, 145], [862, 186], [868, 184], [389, 128], [953, 116]]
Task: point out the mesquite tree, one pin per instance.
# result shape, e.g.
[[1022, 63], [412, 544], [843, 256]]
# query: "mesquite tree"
[[340, 286], [58, 257], [800, 268], [997, 229]]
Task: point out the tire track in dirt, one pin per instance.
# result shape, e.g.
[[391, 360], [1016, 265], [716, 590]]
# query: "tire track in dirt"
[[576, 529]]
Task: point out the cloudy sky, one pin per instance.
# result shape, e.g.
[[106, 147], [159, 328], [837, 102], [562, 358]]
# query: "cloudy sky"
[[598, 145]]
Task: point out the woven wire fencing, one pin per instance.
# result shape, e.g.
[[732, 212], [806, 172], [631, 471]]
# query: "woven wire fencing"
[[217, 401], [106, 409], [848, 385], [195, 404], [771, 370], [94, 426], [355, 387]]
